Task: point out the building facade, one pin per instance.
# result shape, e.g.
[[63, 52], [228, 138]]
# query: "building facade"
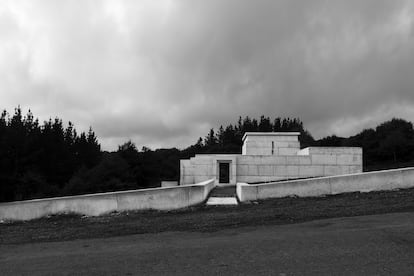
[[271, 156]]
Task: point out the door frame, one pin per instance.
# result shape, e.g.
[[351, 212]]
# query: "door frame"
[[231, 159]]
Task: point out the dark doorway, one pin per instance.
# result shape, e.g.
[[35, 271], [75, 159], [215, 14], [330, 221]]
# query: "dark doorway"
[[224, 172]]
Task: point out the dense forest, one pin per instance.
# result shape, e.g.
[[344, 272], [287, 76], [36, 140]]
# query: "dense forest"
[[389, 145], [47, 159]]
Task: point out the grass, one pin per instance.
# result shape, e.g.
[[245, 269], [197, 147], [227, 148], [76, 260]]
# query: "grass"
[[207, 218]]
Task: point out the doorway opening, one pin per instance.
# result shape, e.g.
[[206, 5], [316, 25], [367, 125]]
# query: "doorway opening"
[[224, 172]]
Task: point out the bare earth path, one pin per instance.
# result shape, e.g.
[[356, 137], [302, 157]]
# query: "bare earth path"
[[364, 245]]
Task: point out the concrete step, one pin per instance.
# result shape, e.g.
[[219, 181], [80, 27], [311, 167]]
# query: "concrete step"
[[229, 191], [221, 201]]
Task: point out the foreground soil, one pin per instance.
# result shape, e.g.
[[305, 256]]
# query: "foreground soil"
[[207, 219]]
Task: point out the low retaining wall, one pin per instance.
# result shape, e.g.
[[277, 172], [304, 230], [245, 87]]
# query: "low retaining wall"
[[362, 182], [97, 204]]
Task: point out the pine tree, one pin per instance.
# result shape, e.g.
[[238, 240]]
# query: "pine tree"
[[210, 139], [220, 136]]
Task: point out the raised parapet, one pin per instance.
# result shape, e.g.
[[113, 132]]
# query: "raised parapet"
[[359, 182], [337, 160], [271, 143], [330, 150], [102, 203]]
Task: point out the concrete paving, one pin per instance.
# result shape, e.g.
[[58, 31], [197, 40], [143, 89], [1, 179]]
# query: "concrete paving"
[[222, 201], [365, 245]]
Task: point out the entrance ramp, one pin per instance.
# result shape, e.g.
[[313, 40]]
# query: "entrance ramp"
[[329, 185]]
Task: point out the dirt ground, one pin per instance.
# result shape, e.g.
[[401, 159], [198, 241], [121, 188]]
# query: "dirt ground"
[[207, 219], [364, 245]]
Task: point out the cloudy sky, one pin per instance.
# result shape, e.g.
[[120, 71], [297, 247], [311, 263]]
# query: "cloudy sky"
[[161, 73]]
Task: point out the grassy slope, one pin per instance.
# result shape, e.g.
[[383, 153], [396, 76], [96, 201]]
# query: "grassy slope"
[[202, 218]]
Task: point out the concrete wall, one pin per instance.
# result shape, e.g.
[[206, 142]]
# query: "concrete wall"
[[273, 143], [186, 172], [166, 184], [98, 204], [362, 182], [205, 166], [197, 169], [310, 162], [320, 163]]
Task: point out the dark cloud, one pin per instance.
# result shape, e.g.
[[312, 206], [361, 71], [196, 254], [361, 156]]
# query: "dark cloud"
[[163, 72]]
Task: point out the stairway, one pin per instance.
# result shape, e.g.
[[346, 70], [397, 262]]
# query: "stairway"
[[222, 196]]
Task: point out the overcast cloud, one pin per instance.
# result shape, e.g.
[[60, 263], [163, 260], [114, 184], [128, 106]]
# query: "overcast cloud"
[[161, 73]]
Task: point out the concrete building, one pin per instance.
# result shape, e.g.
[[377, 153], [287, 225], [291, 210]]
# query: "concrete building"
[[271, 156]]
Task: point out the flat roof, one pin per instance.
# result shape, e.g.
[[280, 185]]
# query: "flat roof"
[[270, 134]]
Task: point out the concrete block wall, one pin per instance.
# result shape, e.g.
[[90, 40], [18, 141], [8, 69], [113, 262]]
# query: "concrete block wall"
[[197, 169], [360, 182], [98, 204], [312, 162], [203, 168], [166, 184], [270, 143], [273, 156], [186, 172], [309, 162], [330, 150]]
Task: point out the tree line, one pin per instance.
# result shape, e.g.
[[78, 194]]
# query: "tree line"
[[228, 139], [389, 145], [38, 159], [47, 159]]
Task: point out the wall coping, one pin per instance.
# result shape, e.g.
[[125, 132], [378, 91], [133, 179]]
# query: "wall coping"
[[269, 134], [333, 147]]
